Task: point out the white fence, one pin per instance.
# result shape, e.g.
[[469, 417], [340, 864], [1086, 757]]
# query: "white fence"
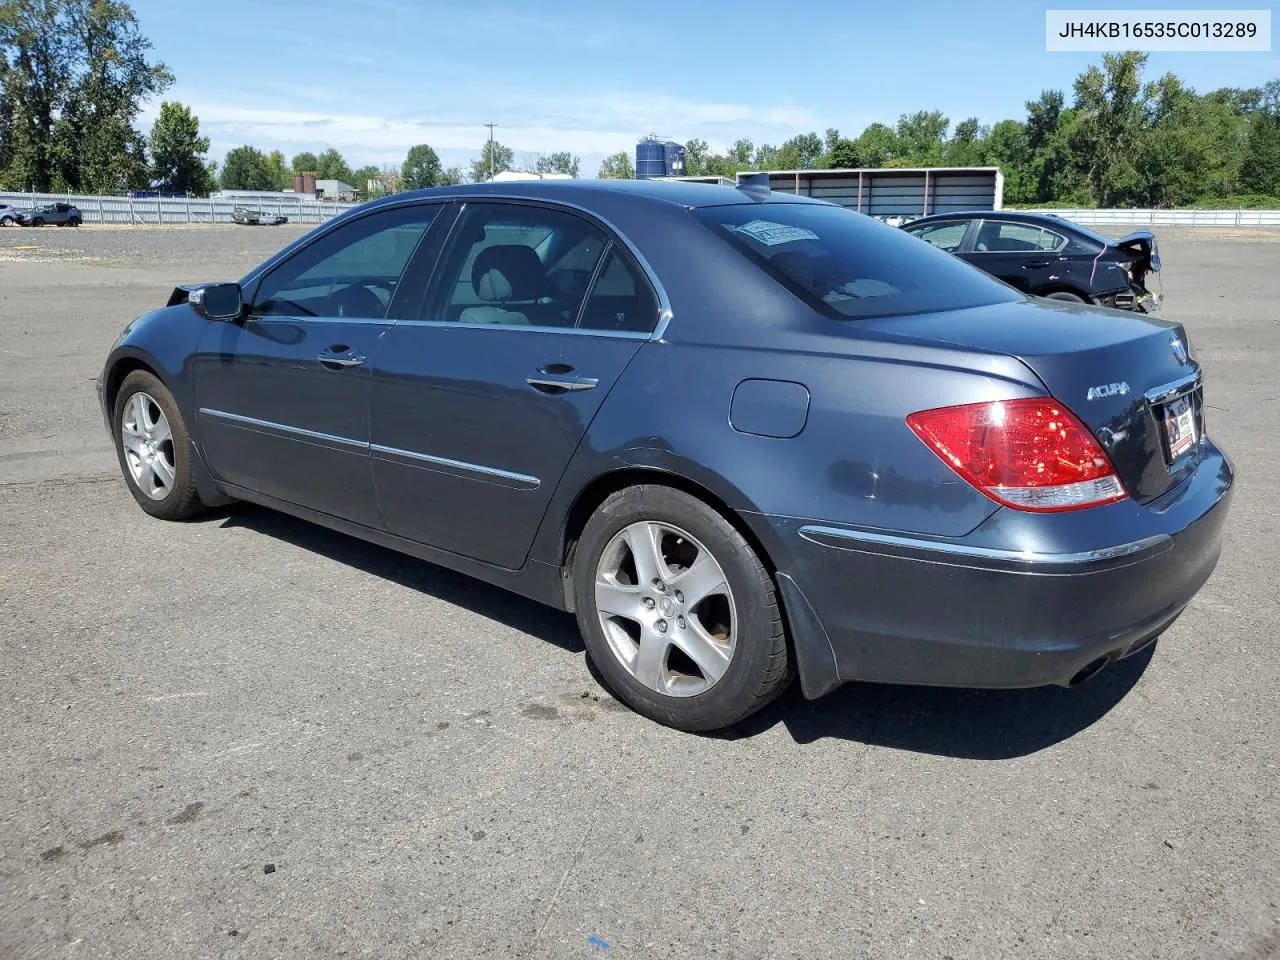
[[218, 210], [175, 209], [1190, 218]]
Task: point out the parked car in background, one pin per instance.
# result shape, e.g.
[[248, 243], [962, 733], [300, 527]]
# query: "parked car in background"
[[741, 435], [257, 218], [1048, 256], [57, 214], [897, 219], [9, 215]]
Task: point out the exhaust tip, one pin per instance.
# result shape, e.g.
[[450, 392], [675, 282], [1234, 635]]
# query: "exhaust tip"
[[1088, 671]]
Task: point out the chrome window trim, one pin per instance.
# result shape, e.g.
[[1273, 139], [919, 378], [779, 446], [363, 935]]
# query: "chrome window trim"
[[282, 428], [824, 535], [301, 318], [525, 327], [521, 480]]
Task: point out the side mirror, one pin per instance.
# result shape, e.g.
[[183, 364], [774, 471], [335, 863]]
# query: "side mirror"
[[217, 301]]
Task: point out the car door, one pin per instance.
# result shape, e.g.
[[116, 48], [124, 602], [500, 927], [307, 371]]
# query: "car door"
[[1024, 255], [283, 395], [479, 403]]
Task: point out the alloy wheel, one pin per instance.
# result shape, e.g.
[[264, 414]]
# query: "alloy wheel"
[[666, 608], [148, 445]]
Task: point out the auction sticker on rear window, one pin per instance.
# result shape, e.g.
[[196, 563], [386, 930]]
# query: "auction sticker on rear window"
[[1179, 427], [772, 234]]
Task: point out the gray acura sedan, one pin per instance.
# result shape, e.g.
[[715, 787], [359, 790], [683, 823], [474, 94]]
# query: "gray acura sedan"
[[742, 435]]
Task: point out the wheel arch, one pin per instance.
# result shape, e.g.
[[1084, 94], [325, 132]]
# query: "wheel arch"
[[600, 488], [1060, 287], [117, 370], [120, 368], [806, 639]]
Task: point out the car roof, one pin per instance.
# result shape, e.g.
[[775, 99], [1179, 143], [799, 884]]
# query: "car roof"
[[585, 192], [1017, 216]]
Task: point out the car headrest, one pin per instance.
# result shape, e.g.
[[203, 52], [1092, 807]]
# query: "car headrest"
[[507, 272]]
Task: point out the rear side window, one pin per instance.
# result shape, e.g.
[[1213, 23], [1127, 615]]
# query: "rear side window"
[[847, 265], [524, 265], [620, 300], [1000, 236], [519, 265]]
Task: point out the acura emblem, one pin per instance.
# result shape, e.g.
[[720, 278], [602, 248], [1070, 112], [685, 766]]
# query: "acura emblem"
[[1179, 351], [1104, 390]]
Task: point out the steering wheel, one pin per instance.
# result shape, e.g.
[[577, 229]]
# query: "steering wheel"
[[355, 300]]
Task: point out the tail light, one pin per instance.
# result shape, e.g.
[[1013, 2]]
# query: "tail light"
[[1030, 454]]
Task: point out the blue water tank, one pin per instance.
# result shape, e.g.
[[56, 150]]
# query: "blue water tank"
[[651, 159], [674, 156]]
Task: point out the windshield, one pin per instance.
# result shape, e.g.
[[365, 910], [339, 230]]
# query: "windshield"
[[848, 265]]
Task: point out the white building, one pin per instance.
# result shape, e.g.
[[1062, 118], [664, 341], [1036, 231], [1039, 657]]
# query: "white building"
[[334, 190], [509, 175]]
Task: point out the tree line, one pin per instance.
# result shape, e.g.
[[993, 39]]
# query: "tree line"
[[74, 74], [1116, 142]]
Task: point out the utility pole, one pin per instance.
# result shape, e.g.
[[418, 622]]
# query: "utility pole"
[[490, 126]]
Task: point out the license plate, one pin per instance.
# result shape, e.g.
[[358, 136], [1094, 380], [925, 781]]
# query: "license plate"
[[1179, 427]]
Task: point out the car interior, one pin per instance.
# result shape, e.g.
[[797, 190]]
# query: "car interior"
[[535, 274]]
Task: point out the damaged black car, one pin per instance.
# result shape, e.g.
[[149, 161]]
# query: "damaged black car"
[[256, 218], [1048, 256]]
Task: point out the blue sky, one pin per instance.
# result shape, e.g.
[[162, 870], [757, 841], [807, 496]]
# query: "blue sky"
[[373, 77]]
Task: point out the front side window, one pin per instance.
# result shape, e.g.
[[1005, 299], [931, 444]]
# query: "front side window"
[[351, 272], [944, 236], [846, 264], [518, 265]]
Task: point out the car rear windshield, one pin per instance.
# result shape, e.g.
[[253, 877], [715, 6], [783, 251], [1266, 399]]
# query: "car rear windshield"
[[848, 265]]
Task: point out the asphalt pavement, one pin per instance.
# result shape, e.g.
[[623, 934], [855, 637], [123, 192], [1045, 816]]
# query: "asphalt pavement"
[[249, 737]]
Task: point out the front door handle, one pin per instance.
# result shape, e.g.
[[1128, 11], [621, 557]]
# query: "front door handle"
[[557, 378], [1036, 264], [335, 362]]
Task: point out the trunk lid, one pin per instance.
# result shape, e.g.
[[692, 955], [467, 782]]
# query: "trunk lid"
[[1124, 375], [1141, 244]]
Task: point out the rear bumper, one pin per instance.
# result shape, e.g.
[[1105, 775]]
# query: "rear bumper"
[[1024, 600]]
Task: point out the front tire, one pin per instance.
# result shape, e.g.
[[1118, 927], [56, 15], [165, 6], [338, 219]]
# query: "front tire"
[[1064, 295], [73, 222], [678, 613], [6, 221], [37, 223], [154, 448]]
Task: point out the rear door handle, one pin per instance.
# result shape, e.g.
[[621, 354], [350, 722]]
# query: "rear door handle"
[[1036, 264]]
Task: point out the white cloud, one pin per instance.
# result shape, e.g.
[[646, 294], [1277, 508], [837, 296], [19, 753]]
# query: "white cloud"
[[293, 118]]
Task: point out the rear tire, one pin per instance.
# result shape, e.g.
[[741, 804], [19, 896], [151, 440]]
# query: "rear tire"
[[6, 221], [154, 448], [698, 662], [1065, 296]]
